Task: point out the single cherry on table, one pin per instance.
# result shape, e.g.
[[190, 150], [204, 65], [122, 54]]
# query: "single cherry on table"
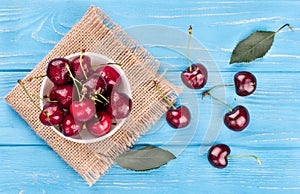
[[194, 76], [176, 117], [179, 117], [245, 83], [237, 119], [218, 156]]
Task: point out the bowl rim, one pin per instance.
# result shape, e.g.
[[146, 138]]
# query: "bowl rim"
[[126, 84]]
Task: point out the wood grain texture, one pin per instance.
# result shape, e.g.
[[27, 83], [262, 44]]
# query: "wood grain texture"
[[46, 173], [28, 31]]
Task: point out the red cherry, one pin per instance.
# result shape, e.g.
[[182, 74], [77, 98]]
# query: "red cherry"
[[179, 117], [237, 119], [86, 65], [96, 83], [57, 71], [63, 94], [217, 155], [119, 105], [83, 110], [71, 127], [110, 75], [52, 114], [100, 126], [195, 76], [245, 83]]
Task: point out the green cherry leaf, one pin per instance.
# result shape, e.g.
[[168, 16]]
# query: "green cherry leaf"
[[254, 46], [146, 158]]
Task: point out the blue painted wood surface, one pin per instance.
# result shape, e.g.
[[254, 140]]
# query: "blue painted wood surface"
[[30, 29]]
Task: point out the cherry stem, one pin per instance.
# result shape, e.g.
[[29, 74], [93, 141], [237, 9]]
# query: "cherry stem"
[[164, 96], [188, 47], [290, 27], [35, 77], [74, 79], [96, 99], [80, 62], [43, 99], [114, 64], [119, 64], [102, 97], [247, 156], [27, 93], [220, 101], [205, 93]]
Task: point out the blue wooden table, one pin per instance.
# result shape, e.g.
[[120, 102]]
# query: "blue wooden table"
[[30, 29]]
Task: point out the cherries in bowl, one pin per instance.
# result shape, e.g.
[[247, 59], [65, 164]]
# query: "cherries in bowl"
[[94, 83]]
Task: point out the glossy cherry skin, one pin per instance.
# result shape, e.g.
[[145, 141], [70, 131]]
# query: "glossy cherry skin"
[[77, 70], [100, 126], [96, 83], [70, 127], [196, 77], [83, 110], [63, 94], [178, 118], [217, 155], [245, 83], [238, 119], [52, 114], [110, 75], [57, 71], [119, 105]]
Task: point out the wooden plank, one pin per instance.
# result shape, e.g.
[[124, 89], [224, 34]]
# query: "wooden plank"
[[210, 20], [38, 170]]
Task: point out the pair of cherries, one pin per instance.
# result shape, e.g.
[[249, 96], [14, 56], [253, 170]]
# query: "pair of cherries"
[[237, 119], [83, 97]]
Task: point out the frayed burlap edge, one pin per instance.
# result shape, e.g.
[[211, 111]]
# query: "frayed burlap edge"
[[95, 32]]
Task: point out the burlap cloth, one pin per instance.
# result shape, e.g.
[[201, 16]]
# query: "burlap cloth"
[[96, 32]]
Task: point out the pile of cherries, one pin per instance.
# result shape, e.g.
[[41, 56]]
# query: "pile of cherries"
[[83, 97]]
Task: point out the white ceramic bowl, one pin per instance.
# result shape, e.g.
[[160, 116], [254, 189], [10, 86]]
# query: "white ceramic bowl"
[[84, 136]]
